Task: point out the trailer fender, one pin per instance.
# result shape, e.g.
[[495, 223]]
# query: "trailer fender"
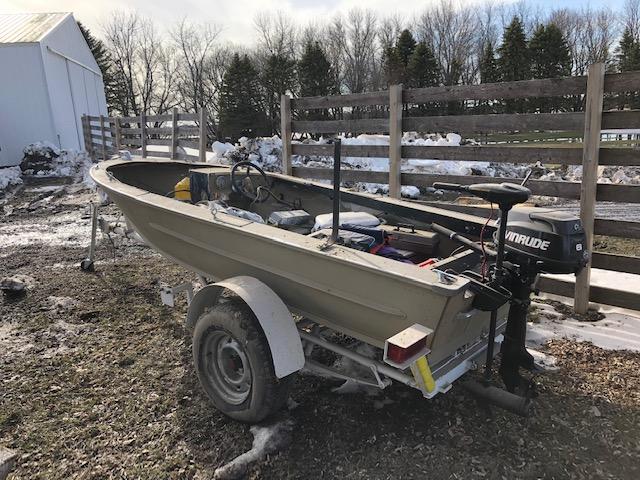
[[274, 317]]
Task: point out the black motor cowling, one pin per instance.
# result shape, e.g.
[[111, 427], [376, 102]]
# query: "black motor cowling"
[[553, 241]]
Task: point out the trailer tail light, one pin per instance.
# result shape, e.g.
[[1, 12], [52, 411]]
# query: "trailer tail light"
[[407, 346]]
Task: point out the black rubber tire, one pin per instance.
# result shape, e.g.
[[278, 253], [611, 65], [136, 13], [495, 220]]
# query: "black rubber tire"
[[268, 394]]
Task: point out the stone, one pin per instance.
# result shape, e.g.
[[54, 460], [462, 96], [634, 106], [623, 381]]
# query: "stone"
[[7, 462]]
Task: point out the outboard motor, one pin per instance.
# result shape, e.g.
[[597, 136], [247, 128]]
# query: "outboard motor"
[[550, 240], [528, 241]]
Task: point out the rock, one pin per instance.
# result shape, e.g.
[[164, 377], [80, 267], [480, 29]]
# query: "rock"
[[7, 462], [595, 411], [16, 284]]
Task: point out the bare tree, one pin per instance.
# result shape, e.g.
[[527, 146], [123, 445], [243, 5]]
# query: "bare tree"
[[488, 30], [531, 15], [120, 33], [194, 45], [277, 33], [451, 31], [145, 73], [334, 41], [389, 29], [355, 42], [631, 17], [589, 34]]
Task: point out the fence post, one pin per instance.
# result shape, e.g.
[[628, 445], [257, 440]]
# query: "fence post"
[[285, 133], [143, 135], [86, 134], [590, 154], [174, 134], [395, 140], [203, 135], [118, 133], [103, 138]]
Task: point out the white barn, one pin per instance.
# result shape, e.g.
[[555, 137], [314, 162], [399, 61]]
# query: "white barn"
[[48, 80]]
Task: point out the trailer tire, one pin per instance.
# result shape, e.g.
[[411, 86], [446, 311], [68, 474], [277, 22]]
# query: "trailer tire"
[[234, 363]]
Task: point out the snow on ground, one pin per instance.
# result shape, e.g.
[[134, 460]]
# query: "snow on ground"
[[267, 439], [266, 152], [61, 163], [607, 278], [10, 176], [65, 229], [407, 191], [618, 330]]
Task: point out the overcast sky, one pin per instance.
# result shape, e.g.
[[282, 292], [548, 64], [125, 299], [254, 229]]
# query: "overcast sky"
[[236, 16]]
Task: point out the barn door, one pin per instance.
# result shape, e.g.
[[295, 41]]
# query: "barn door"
[[62, 102]]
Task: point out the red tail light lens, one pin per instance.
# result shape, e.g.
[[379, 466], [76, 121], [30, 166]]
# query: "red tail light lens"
[[400, 355], [407, 346]]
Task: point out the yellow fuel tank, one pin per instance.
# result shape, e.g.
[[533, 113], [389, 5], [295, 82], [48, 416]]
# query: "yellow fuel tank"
[[182, 190]]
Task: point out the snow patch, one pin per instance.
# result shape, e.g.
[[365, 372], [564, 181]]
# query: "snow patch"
[[619, 330], [65, 229], [10, 176], [406, 191], [219, 149], [628, 282], [267, 439], [43, 149], [548, 362]]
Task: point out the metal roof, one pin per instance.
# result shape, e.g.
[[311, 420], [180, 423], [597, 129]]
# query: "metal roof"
[[27, 27]]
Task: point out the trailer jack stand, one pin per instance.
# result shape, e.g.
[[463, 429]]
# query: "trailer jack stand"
[[87, 265]]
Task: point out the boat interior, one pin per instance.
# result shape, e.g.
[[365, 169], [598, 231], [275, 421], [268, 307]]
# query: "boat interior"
[[394, 230]]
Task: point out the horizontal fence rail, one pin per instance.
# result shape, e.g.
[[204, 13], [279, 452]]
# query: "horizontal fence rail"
[[396, 105], [104, 136]]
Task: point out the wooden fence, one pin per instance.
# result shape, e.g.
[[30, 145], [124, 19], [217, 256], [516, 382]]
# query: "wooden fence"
[[592, 87], [104, 136]]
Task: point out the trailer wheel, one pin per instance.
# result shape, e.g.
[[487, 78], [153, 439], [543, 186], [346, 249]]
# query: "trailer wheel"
[[234, 365]]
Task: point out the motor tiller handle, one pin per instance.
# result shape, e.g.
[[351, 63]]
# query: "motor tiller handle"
[[454, 187], [506, 195]]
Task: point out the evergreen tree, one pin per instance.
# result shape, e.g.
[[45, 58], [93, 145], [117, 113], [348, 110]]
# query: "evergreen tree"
[[405, 46], [549, 53], [240, 104], [488, 74], [315, 77], [628, 53], [513, 59], [550, 58], [422, 67], [278, 77], [394, 69], [396, 59], [628, 59], [423, 71], [488, 65], [103, 60]]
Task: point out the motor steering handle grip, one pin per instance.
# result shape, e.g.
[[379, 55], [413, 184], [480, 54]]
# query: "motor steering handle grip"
[[450, 186]]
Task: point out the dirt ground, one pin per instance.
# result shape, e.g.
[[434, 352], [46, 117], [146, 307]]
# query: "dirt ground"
[[96, 382]]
